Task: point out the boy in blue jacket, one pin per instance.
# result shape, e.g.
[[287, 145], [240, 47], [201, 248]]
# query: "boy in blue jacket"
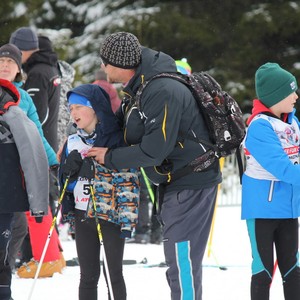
[[271, 182]]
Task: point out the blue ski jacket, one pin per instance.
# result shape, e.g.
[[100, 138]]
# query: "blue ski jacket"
[[271, 182]]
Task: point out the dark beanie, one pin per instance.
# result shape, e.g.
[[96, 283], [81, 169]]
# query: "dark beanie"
[[122, 50], [11, 51], [25, 39], [44, 43], [273, 84]]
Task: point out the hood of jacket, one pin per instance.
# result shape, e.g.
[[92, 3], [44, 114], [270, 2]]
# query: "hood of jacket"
[[44, 56], [259, 107], [152, 63], [109, 133]]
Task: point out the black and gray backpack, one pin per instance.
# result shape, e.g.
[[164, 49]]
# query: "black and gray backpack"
[[221, 113]]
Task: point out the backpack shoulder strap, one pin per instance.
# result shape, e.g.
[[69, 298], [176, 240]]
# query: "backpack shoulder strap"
[[177, 76]]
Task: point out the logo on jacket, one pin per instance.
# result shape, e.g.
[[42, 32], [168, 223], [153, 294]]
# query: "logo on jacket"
[[57, 81]]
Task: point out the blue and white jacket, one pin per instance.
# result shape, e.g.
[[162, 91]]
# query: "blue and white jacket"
[[271, 182]]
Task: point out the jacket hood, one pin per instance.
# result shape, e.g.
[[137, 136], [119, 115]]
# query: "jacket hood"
[[109, 133], [44, 56], [259, 107], [152, 63]]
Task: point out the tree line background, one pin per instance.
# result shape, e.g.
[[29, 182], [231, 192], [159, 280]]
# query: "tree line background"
[[230, 39]]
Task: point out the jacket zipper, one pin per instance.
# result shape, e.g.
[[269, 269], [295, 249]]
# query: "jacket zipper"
[[271, 191]]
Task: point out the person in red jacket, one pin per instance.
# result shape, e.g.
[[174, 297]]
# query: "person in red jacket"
[[101, 80]]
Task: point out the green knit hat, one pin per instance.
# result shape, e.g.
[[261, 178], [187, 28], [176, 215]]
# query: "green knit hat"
[[273, 84]]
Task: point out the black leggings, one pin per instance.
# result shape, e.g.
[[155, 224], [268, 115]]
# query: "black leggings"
[[88, 250], [264, 234]]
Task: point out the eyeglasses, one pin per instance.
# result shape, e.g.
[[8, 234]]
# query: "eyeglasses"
[[103, 62]]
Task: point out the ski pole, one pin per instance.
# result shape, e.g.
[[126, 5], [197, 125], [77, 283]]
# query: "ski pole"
[[214, 214], [150, 191], [49, 236], [101, 241]]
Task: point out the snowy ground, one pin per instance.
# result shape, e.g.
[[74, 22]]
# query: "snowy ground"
[[230, 248]]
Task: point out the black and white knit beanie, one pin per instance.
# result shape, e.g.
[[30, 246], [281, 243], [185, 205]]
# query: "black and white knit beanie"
[[122, 50]]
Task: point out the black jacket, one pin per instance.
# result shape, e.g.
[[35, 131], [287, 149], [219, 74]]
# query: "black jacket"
[[167, 108], [43, 85]]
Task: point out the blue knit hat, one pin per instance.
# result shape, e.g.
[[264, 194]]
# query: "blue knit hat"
[[273, 84], [74, 98]]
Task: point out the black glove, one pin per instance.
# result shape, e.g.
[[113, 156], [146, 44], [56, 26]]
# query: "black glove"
[[53, 183], [72, 166], [38, 219], [38, 215], [87, 169], [9, 95]]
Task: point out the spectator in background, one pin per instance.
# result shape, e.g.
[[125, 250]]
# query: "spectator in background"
[[40, 64], [101, 80], [183, 67]]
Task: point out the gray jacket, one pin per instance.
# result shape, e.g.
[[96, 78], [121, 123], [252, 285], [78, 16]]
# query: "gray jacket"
[[24, 172]]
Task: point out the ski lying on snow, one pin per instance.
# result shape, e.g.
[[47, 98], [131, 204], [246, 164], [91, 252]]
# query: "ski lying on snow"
[[144, 264]]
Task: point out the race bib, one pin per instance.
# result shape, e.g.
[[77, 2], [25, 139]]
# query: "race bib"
[[293, 154], [82, 192]]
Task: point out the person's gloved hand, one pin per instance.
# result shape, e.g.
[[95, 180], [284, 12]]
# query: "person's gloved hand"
[[87, 169], [72, 166], [38, 219], [125, 234], [9, 95]]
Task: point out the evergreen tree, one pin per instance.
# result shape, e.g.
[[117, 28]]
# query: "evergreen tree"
[[230, 39]]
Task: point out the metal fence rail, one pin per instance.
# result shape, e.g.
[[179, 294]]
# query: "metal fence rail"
[[230, 191]]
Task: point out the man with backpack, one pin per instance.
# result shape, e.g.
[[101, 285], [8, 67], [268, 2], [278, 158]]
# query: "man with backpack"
[[156, 130]]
